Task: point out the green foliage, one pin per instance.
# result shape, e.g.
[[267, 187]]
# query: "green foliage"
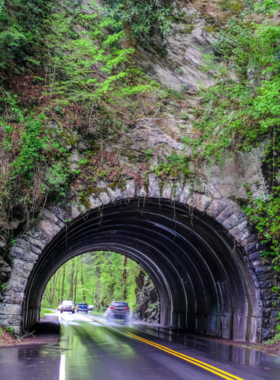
[[4, 286], [143, 18], [44, 311], [265, 215], [57, 177], [267, 6], [98, 280], [274, 340], [21, 32], [149, 154], [86, 71], [90, 66], [11, 331], [1, 331], [175, 166]]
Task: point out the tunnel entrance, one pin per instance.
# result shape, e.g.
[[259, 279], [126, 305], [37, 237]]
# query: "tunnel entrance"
[[202, 278]]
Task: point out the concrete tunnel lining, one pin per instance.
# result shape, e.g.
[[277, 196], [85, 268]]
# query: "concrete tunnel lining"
[[203, 282]]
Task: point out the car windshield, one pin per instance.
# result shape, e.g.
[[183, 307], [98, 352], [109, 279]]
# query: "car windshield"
[[119, 304], [82, 304], [67, 303]]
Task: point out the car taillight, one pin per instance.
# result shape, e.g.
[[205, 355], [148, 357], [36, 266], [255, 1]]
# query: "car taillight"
[[112, 307], [126, 308]]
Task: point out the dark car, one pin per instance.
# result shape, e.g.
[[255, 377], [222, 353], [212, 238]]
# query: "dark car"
[[67, 306], [82, 306], [118, 310]]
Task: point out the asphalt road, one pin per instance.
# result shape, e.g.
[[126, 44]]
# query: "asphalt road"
[[90, 348]]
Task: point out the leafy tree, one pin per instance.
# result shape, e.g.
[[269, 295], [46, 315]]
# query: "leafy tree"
[[96, 278]]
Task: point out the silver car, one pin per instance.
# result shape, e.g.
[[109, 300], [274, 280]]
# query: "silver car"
[[118, 310], [67, 306]]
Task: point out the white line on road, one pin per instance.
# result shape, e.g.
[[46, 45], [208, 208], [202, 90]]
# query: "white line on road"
[[62, 368]]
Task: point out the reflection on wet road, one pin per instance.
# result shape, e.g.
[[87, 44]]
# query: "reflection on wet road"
[[92, 349]]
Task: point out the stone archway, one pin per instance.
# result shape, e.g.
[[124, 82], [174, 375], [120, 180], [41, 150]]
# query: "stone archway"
[[199, 251]]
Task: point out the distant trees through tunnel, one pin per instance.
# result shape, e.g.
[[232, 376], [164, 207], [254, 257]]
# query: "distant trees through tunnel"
[[100, 277]]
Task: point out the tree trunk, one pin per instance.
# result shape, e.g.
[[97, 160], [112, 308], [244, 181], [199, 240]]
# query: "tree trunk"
[[63, 283], [53, 288], [75, 286], [124, 278], [71, 291], [82, 280]]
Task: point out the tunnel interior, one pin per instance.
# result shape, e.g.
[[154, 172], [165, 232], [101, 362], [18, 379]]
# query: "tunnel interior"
[[202, 279]]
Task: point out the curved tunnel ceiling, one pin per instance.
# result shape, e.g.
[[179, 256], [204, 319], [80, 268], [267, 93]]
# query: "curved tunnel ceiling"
[[203, 283]]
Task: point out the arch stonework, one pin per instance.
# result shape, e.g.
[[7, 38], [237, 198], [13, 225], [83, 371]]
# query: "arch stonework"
[[245, 317]]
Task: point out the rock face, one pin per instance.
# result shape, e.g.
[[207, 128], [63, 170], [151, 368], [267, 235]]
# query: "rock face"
[[141, 147]]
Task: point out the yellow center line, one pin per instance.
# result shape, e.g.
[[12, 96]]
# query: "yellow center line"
[[198, 363], [189, 359]]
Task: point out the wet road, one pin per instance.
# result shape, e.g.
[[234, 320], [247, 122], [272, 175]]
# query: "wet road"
[[92, 349]]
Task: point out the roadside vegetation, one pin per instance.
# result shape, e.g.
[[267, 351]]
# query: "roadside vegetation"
[[99, 278]]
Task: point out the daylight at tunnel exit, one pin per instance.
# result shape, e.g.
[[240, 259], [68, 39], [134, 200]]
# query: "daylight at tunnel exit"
[[139, 189]]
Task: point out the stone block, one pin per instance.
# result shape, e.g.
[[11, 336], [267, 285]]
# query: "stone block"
[[59, 212], [254, 247], [75, 212], [19, 253], [14, 297], [39, 244], [203, 202], [266, 294], [15, 320], [266, 313], [235, 220], [49, 227], [263, 269], [216, 207], [22, 243], [192, 200], [18, 284], [230, 209], [177, 191], [115, 194], [142, 193], [94, 202], [266, 323], [238, 229], [12, 309], [274, 314], [167, 191], [22, 268], [130, 188], [185, 193], [49, 215], [266, 284], [37, 233], [154, 190], [243, 235], [255, 256], [104, 197], [267, 334]]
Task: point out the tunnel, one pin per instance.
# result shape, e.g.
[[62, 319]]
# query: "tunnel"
[[203, 283]]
